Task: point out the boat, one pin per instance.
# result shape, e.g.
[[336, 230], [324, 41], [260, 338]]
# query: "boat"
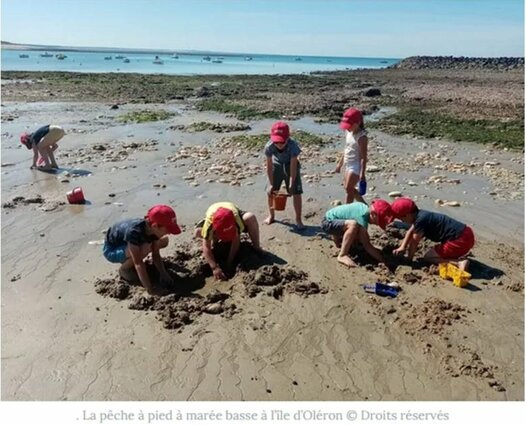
[[23, 56], [298, 59], [126, 60], [217, 61], [207, 58], [248, 58], [46, 55], [175, 56], [383, 62], [60, 56], [107, 58], [119, 57], [157, 61]]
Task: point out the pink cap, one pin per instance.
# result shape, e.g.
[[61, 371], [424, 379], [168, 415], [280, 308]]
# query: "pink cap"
[[350, 117], [280, 132]]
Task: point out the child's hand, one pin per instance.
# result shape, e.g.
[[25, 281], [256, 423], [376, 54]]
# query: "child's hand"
[[399, 251], [270, 190], [338, 169], [218, 273]]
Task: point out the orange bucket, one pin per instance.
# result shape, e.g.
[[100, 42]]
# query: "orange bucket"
[[76, 196], [280, 201]]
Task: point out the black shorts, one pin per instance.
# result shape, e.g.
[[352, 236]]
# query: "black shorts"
[[333, 227], [281, 173]]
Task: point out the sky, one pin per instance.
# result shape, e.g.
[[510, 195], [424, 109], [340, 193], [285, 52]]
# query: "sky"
[[356, 28]]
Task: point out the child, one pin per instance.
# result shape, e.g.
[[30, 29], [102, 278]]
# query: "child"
[[44, 143], [348, 224], [455, 238], [355, 154], [129, 242], [225, 222], [283, 165]]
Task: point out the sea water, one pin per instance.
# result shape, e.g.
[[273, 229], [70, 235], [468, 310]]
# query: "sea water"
[[184, 64]]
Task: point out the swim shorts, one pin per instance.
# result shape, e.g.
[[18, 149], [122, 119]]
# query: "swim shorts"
[[451, 250], [114, 254]]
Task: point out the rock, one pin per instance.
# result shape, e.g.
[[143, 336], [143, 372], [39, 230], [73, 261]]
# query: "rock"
[[451, 204], [215, 308], [111, 195], [395, 194], [373, 168], [336, 202], [372, 92], [115, 106]]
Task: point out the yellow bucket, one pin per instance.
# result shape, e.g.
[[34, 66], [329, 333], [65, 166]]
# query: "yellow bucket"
[[449, 271]]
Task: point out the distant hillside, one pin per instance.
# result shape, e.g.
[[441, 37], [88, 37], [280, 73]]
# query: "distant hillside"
[[451, 62]]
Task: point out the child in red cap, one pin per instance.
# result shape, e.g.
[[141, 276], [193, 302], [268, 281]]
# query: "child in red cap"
[[128, 242], [348, 224], [455, 238], [355, 153], [283, 165], [43, 142], [225, 222]]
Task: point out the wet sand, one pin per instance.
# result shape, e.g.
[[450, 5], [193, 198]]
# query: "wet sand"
[[63, 340]]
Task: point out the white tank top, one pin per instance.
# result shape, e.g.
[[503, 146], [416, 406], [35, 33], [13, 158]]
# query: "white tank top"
[[352, 149]]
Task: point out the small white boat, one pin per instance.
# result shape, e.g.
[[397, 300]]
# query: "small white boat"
[[119, 57], [23, 56], [248, 58], [157, 61], [207, 58], [298, 59], [107, 58], [217, 61], [126, 60], [175, 56], [60, 56]]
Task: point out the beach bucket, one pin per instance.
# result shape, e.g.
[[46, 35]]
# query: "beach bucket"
[[76, 196], [279, 201]]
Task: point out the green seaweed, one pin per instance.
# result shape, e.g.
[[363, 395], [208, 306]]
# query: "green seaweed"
[[144, 116]]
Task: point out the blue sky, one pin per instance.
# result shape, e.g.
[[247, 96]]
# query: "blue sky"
[[367, 28]]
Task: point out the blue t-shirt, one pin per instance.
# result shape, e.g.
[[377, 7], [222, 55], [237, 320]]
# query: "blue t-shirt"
[[129, 231], [438, 227], [283, 157], [37, 136], [356, 211]]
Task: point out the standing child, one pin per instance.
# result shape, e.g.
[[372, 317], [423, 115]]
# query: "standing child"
[[283, 165], [455, 238], [224, 222], [354, 156], [348, 224], [44, 143], [128, 242]]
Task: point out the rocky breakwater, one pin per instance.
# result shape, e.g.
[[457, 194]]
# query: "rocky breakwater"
[[452, 62]]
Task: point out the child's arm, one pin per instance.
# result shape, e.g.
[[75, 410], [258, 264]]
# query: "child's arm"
[[269, 174], [413, 245], [293, 171], [210, 259], [158, 262], [339, 163], [35, 156], [363, 142], [369, 248], [405, 243], [140, 267], [234, 249]]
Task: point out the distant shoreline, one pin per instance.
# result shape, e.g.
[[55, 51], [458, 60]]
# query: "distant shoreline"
[[39, 48]]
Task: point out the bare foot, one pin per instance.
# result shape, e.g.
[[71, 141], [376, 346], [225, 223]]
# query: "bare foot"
[[463, 265], [129, 274], [44, 168], [300, 226], [269, 220], [346, 261]]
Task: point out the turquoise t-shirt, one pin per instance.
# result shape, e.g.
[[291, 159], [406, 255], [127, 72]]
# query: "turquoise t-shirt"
[[356, 211]]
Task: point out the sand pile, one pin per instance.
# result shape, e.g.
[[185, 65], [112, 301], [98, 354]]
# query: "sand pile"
[[45, 204]]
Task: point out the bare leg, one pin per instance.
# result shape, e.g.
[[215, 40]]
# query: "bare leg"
[[145, 250], [351, 231], [51, 155], [351, 180], [337, 240], [43, 151], [270, 218], [297, 208], [251, 223], [432, 256]]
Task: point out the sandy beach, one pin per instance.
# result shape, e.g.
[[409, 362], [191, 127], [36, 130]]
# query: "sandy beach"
[[294, 325]]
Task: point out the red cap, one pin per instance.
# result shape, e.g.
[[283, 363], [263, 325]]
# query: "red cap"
[[350, 117], [383, 211], [24, 138], [163, 215], [280, 132], [403, 206], [224, 224]]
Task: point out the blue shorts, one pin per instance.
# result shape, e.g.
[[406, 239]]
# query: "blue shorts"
[[114, 254]]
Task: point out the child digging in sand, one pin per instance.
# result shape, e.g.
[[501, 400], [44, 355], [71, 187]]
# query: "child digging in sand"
[[44, 143], [282, 165], [348, 224], [128, 242], [455, 238], [355, 154], [224, 222]]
